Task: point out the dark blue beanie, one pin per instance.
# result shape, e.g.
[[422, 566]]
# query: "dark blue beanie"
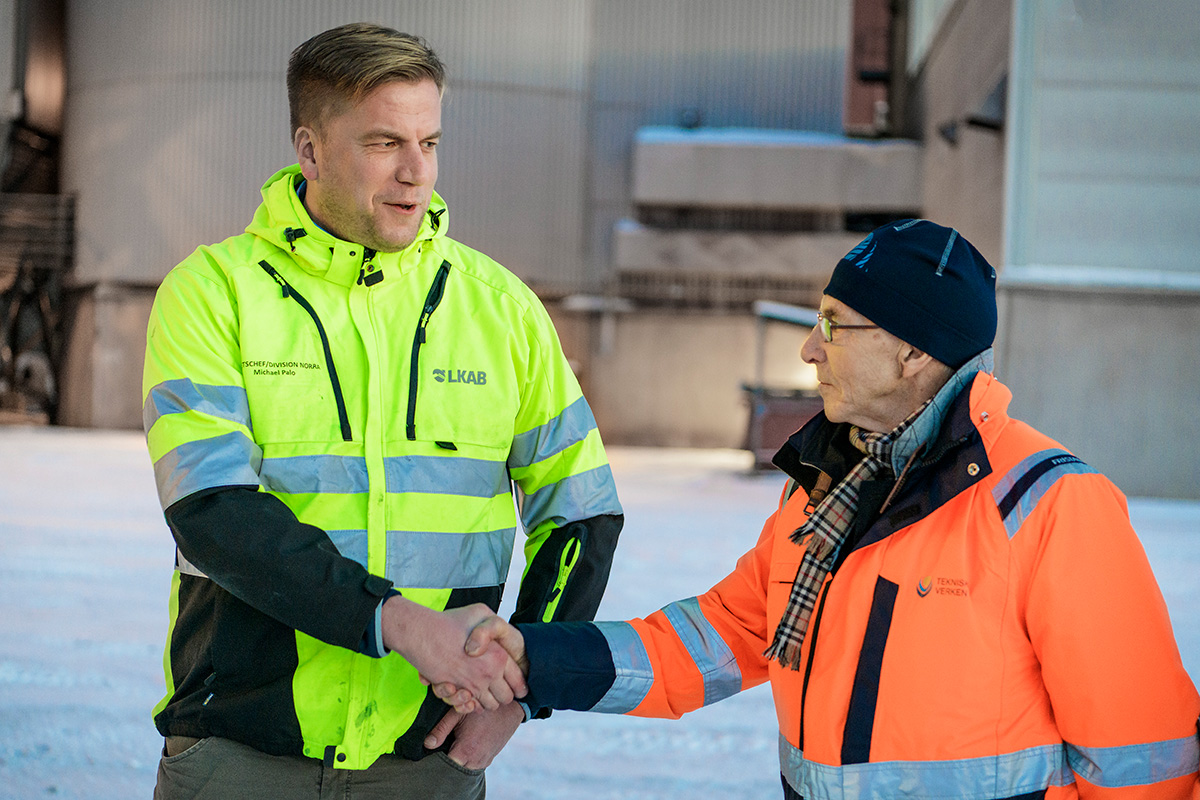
[[923, 283]]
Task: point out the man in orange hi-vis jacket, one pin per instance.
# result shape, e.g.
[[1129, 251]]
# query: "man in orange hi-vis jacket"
[[947, 603]]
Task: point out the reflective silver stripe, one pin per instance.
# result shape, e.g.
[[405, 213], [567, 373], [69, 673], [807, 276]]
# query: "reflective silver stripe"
[[319, 474], [577, 497], [1066, 464], [570, 427], [186, 567], [351, 543], [469, 477], [231, 459], [426, 560], [635, 674], [1005, 775], [180, 395], [714, 659], [1135, 764], [329, 474]]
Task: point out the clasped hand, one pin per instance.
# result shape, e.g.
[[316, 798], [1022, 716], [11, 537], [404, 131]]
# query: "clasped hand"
[[487, 636], [479, 670]]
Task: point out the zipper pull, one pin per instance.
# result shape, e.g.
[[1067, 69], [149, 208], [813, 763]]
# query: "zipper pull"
[[566, 564], [282, 283], [275, 276]]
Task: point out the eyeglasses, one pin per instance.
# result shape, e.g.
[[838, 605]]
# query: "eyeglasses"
[[827, 327]]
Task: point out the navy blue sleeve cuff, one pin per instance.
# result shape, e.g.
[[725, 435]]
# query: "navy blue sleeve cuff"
[[570, 665], [372, 639]]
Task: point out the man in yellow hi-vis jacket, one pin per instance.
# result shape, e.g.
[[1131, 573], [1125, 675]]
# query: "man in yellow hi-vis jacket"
[[337, 404]]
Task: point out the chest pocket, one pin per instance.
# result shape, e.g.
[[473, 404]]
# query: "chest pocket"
[[291, 380], [779, 588], [462, 386]]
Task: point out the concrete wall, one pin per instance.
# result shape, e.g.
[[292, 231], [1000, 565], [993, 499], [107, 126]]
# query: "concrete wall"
[[104, 345], [671, 379], [963, 179], [734, 168], [1101, 287], [1113, 375]]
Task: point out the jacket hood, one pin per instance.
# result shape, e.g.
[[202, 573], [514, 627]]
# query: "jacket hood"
[[282, 220]]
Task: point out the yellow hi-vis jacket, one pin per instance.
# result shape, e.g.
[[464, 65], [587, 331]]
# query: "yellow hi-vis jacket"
[[327, 423]]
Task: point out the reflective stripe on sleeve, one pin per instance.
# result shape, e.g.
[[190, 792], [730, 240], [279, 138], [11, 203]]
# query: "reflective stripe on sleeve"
[[712, 656], [231, 459], [180, 395], [1018, 492], [577, 497], [185, 567], [1006, 775], [1135, 764], [570, 427], [635, 674]]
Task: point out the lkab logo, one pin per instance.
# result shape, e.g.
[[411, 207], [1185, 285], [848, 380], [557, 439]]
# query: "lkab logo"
[[475, 377]]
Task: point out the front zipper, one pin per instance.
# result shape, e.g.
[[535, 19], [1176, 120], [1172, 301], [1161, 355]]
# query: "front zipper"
[[566, 565], [431, 303], [289, 291]]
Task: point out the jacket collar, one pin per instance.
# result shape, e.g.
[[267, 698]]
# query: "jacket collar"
[[926, 427], [821, 446], [282, 220]]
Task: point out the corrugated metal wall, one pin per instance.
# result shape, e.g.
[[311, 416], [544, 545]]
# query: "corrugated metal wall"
[[1104, 156], [177, 113], [755, 63]]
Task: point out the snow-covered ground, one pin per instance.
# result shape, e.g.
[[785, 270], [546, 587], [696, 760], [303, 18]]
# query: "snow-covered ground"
[[85, 564]]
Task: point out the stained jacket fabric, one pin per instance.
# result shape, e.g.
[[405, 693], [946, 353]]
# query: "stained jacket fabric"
[[995, 631], [329, 425]]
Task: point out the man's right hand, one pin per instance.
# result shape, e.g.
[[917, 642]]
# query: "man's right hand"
[[435, 643], [486, 636]]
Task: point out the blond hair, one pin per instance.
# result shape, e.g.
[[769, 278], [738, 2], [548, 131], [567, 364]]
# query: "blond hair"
[[337, 68]]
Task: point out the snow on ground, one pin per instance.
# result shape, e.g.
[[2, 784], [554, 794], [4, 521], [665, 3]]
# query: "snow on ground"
[[85, 563]]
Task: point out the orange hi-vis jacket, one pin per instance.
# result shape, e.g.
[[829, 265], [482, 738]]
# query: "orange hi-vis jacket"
[[994, 632]]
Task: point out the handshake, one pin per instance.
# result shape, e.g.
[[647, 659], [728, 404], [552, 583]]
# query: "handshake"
[[471, 657]]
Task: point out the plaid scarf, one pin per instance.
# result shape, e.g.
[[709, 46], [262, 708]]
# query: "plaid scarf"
[[828, 526]]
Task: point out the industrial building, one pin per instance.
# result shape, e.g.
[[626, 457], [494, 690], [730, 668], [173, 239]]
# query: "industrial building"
[[652, 168]]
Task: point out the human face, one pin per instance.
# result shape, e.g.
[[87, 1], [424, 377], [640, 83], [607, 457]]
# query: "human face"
[[860, 373], [372, 167]]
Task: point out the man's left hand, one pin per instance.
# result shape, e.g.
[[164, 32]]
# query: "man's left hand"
[[478, 737]]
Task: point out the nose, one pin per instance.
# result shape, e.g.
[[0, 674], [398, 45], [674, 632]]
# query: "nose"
[[812, 351], [416, 166]]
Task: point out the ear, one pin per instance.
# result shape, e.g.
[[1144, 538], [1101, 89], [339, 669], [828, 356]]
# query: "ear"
[[305, 143], [913, 362]]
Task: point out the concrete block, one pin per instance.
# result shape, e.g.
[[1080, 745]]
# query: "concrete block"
[[735, 168]]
